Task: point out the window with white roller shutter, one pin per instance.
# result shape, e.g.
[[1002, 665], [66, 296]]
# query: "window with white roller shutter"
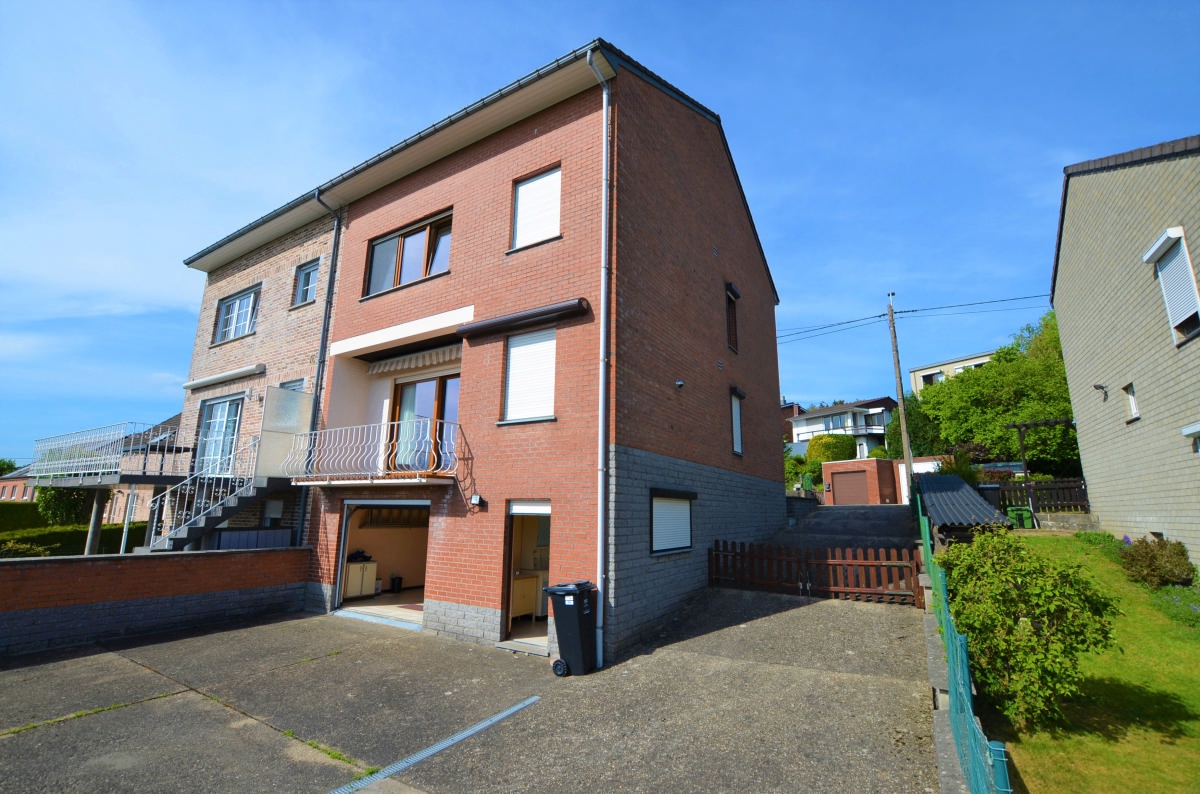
[[536, 209], [529, 376], [670, 521], [1177, 279]]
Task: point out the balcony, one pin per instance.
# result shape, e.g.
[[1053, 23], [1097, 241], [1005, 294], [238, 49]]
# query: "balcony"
[[849, 430], [128, 452], [416, 451]]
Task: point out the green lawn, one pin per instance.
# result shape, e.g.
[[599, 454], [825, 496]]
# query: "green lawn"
[[1137, 725]]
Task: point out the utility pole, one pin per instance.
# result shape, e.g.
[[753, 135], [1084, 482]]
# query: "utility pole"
[[908, 459]]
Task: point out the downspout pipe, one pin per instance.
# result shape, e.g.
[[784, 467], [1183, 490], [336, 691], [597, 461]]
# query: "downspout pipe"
[[602, 531], [319, 379]]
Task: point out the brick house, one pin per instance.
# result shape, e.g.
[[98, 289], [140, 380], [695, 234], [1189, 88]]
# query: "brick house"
[[511, 325], [1124, 291]]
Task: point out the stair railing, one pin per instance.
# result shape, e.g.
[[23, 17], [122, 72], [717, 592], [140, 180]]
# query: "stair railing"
[[207, 490]]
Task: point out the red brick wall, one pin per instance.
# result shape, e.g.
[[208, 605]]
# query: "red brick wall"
[[68, 581], [545, 460], [683, 233]]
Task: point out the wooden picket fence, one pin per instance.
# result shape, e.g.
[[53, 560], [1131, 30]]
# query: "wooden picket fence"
[[884, 575]]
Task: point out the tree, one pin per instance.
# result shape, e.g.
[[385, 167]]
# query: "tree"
[[828, 447], [63, 506], [923, 432], [1024, 382], [1027, 621], [7, 466]]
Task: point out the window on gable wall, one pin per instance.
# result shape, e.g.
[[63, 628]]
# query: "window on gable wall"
[[732, 295], [1131, 396], [670, 521], [1177, 278], [236, 315], [306, 283], [536, 208], [411, 254], [736, 396]]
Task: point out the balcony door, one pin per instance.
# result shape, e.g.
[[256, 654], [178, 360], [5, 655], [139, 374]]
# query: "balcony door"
[[220, 421], [424, 425]]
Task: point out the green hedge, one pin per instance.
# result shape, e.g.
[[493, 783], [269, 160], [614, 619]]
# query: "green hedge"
[[64, 541], [20, 515]]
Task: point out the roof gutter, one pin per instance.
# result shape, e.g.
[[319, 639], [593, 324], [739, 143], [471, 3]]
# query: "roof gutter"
[[602, 456]]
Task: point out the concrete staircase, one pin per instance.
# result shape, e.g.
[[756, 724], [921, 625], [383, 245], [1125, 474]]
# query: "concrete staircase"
[[853, 526]]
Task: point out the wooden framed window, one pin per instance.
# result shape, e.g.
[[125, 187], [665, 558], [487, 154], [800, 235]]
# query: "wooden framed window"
[[409, 255], [732, 295], [237, 315], [536, 208]]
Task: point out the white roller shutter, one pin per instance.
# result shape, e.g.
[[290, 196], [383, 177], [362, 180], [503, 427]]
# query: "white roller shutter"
[[1178, 284], [671, 524], [529, 377], [536, 209]]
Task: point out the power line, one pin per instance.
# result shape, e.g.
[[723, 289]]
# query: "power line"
[[812, 332]]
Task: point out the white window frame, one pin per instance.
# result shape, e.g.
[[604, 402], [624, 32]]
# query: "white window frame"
[[237, 315], [670, 521], [529, 375], [214, 451], [537, 208], [1131, 395], [735, 418], [306, 283], [1177, 280]]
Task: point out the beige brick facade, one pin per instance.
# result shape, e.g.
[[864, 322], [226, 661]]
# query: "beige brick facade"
[[1143, 475]]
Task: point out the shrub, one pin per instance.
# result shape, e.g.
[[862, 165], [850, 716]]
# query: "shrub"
[[1157, 562], [61, 506], [878, 452], [828, 447], [1027, 620], [15, 548], [20, 515]]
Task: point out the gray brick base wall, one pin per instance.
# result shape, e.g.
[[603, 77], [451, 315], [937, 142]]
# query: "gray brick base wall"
[[52, 628], [479, 625], [647, 587], [318, 597]]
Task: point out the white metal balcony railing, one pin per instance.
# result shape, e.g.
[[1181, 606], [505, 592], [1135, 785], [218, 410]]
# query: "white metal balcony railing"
[[205, 492], [124, 448], [848, 430], [412, 449]]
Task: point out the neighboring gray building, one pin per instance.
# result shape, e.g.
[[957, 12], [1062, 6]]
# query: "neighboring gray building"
[[1124, 289]]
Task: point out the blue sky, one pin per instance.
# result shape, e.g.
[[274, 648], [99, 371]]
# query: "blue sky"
[[914, 148]]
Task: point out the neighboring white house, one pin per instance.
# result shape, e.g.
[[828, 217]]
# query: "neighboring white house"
[[866, 420], [929, 374]]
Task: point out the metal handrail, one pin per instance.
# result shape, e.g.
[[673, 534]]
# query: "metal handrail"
[[122, 448], [410, 449], [848, 430], [205, 491]]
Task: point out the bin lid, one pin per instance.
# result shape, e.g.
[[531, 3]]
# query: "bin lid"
[[570, 588]]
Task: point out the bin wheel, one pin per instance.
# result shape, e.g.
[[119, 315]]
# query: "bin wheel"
[[560, 668]]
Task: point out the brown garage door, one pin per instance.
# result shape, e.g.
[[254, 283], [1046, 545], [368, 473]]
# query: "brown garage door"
[[850, 488]]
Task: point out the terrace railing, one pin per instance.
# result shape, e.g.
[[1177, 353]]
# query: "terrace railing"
[[132, 448], [411, 449]]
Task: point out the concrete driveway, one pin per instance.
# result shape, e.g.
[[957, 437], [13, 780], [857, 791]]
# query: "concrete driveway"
[[741, 692]]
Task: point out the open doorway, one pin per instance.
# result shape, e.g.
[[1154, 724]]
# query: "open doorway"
[[529, 551], [387, 549]]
